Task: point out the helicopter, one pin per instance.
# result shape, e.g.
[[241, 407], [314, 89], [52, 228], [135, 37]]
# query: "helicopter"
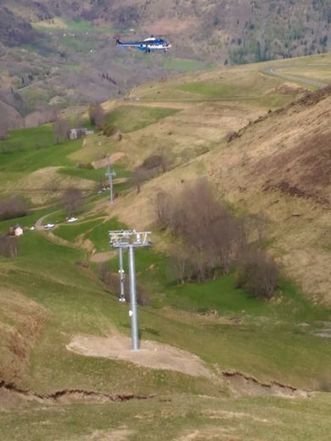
[[150, 44]]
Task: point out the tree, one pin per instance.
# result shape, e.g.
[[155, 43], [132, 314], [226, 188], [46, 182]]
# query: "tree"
[[61, 129], [257, 273], [211, 236], [97, 115], [139, 176], [72, 201]]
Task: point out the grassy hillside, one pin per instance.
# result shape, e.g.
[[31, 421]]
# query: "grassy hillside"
[[278, 165], [257, 353]]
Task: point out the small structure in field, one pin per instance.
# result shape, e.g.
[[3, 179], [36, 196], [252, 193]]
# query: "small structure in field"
[[79, 132], [16, 230]]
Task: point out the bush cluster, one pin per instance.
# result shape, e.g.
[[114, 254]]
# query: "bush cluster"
[[12, 207], [211, 241]]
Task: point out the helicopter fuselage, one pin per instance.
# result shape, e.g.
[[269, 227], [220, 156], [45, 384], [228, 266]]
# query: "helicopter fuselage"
[[148, 45]]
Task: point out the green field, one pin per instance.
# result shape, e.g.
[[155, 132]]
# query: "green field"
[[131, 118], [175, 417], [27, 150]]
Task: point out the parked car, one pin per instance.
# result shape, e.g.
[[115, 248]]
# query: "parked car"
[[72, 219], [48, 226]]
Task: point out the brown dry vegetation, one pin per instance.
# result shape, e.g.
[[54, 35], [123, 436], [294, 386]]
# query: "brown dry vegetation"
[[47, 184], [181, 136], [21, 321]]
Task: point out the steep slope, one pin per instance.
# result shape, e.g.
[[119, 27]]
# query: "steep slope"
[[14, 30], [277, 167]]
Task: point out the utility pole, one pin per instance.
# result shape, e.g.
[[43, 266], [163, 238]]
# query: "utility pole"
[[110, 174], [131, 239]]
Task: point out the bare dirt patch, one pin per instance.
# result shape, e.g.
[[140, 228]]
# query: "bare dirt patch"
[[112, 435], [151, 354], [244, 385], [101, 257], [214, 433], [102, 163], [11, 396]]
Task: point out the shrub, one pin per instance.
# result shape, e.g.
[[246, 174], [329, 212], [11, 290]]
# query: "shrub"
[[109, 130], [210, 240], [72, 201], [97, 115], [61, 129], [12, 207], [158, 161], [257, 273]]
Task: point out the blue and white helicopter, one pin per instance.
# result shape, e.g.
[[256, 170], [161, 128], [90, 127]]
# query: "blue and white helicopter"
[[150, 44]]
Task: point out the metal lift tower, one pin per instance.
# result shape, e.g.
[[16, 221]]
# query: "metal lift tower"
[[131, 239], [110, 174]]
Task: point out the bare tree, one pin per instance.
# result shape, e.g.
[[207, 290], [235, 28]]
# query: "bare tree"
[[139, 176], [97, 115], [210, 233], [163, 209], [257, 273], [72, 201], [61, 130], [211, 240]]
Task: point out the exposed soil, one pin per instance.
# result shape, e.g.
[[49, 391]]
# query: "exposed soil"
[[151, 354], [108, 435], [115, 157], [240, 384], [12, 396], [101, 257]]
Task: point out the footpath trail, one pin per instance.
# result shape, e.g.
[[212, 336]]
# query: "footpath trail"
[[296, 78]]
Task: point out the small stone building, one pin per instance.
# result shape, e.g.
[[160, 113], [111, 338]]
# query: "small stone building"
[[16, 230], [79, 132]]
